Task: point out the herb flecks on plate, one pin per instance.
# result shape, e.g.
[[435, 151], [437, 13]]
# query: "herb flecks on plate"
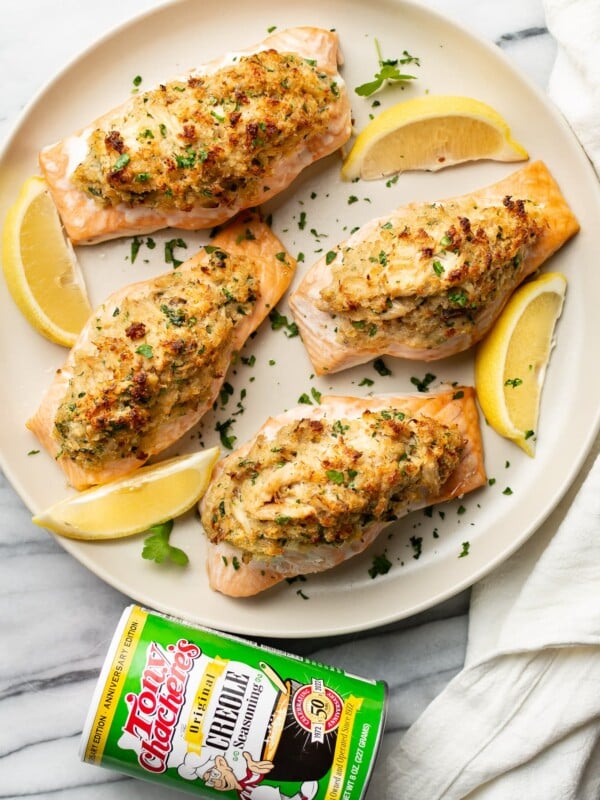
[[389, 72]]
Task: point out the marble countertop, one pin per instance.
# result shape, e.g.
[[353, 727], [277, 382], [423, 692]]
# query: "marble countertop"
[[57, 617]]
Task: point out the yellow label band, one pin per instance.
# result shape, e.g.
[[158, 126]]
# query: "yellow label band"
[[194, 734], [113, 685], [339, 767]]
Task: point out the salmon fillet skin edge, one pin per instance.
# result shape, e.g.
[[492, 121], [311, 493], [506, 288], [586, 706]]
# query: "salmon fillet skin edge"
[[193, 152], [429, 280], [316, 485], [151, 360]]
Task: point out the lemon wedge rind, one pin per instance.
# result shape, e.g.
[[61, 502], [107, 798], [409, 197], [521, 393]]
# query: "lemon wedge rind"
[[430, 132], [132, 504], [41, 268], [511, 362]]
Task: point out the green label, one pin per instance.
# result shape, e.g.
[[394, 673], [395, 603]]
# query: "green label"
[[220, 717]]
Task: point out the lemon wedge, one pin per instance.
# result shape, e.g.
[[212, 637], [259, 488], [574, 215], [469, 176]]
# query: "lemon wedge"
[[429, 133], [132, 504], [41, 268], [510, 363]]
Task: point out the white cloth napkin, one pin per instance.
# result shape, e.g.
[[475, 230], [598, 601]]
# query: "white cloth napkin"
[[575, 79], [521, 721]]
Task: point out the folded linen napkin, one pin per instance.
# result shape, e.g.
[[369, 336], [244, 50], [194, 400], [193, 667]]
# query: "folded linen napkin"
[[574, 83], [521, 721]]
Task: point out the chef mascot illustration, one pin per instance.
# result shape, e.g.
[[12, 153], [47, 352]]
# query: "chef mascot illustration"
[[219, 775]]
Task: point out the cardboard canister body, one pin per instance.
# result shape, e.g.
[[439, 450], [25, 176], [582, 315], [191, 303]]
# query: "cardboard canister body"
[[220, 717]]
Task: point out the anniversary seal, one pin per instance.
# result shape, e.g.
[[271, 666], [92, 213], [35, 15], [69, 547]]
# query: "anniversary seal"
[[220, 717]]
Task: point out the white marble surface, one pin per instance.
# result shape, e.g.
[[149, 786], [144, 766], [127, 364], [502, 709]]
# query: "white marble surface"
[[57, 618]]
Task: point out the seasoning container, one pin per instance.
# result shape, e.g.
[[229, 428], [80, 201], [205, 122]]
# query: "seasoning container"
[[209, 713]]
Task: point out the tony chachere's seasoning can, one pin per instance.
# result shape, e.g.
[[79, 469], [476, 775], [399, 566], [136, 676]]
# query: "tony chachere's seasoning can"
[[220, 717]]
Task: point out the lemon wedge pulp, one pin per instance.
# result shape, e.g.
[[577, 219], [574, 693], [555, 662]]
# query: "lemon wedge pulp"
[[510, 363], [41, 268], [429, 133], [132, 504]]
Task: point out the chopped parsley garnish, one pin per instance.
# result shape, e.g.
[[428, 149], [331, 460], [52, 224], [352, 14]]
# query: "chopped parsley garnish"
[[227, 439], [302, 220], [352, 199], [330, 256], [458, 395], [422, 384], [416, 543], [136, 243], [388, 71], [508, 490], [280, 321], [121, 162], [466, 546], [158, 548], [458, 296], [304, 399], [380, 367], [225, 393], [366, 382], [175, 315], [335, 476], [145, 350], [281, 519], [438, 268], [316, 395], [137, 80], [169, 254], [381, 565], [514, 382]]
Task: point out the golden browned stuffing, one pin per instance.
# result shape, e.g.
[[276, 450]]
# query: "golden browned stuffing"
[[321, 481], [210, 139], [430, 280], [153, 358]]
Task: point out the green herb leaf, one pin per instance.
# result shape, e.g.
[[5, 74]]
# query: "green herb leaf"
[[158, 548], [381, 565], [466, 546], [145, 350], [227, 439], [380, 367], [280, 321], [388, 72], [121, 162], [136, 243], [422, 384], [335, 476], [169, 254], [175, 315]]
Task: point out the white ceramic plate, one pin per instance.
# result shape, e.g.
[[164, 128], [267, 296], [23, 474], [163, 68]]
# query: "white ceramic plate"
[[424, 550]]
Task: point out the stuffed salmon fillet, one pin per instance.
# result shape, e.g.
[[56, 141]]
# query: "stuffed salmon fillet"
[[151, 360], [191, 153], [316, 486], [430, 279]]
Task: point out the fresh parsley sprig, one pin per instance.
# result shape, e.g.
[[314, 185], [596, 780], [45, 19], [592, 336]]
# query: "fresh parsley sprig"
[[157, 547], [388, 72]]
